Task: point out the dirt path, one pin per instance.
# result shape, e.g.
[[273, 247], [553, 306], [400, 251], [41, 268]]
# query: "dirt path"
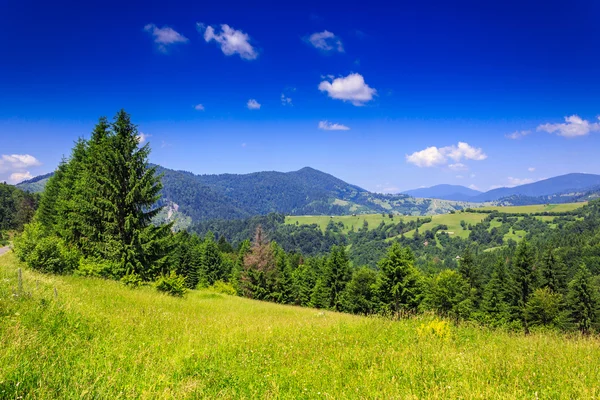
[[4, 250]]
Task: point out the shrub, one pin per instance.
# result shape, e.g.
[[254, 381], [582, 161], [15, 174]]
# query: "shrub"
[[26, 242], [223, 287], [96, 267], [52, 255], [171, 284], [131, 280]]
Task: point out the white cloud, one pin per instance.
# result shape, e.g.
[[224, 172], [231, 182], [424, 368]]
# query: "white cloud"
[[517, 134], [574, 126], [328, 126], [16, 166], [326, 41], [142, 137], [531, 169], [164, 36], [474, 187], [230, 40], [286, 101], [199, 107], [519, 181], [17, 177], [253, 105], [350, 88], [433, 156], [459, 177], [458, 167], [11, 162]]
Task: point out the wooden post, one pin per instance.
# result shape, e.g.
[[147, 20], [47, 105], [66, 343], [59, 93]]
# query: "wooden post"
[[20, 279], [55, 294]]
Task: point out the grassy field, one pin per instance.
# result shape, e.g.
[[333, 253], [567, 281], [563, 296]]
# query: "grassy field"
[[451, 220], [100, 340], [537, 208]]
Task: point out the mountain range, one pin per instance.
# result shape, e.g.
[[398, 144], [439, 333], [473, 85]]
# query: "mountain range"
[[304, 192], [565, 187]]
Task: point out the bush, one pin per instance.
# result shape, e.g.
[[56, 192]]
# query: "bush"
[[52, 255], [3, 239], [26, 242], [223, 287], [172, 284], [96, 267], [132, 280]]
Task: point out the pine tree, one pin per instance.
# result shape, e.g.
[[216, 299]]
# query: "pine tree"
[[47, 212], [320, 297], [582, 301], [258, 268], [496, 296], [552, 271], [524, 275], [399, 286], [212, 267], [130, 190], [469, 270], [337, 275]]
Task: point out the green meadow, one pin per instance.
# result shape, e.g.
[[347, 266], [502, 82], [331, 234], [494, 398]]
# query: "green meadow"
[[453, 221], [538, 208], [68, 337]]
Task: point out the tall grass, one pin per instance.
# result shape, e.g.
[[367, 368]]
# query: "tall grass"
[[99, 339]]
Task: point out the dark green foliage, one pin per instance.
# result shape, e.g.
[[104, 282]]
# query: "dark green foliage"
[[583, 302], [450, 295], [544, 308], [16, 207], [399, 287], [212, 266], [552, 271], [524, 276], [360, 296], [171, 284], [337, 275], [496, 301], [52, 255]]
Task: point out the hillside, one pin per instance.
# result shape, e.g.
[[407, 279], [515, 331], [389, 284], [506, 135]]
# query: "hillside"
[[306, 191], [444, 192], [75, 337]]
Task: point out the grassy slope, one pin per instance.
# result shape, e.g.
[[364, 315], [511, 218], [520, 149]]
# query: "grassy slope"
[[451, 220], [102, 340], [537, 208]]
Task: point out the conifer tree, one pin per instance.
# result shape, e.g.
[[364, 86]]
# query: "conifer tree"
[[583, 302], [399, 286], [496, 296], [337, 275], [212, 266], [524, 275], [320, 297], [552, 271]]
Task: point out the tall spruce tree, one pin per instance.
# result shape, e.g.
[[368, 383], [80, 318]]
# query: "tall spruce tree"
[[337, 275], [582, 301], [552, 271], [525, 279], [496, 295], [399, 285]]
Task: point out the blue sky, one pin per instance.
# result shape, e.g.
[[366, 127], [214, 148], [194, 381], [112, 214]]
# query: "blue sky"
[[388, 96]]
